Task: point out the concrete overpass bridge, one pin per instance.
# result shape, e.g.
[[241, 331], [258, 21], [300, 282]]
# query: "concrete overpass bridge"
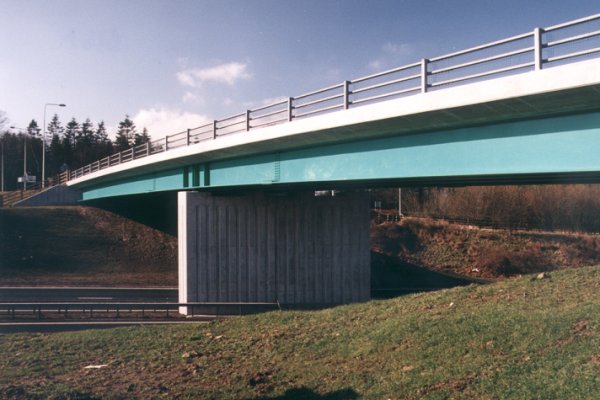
[[525, 109]]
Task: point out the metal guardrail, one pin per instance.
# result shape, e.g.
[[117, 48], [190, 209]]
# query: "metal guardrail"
[[540, 48], [11, 198], [22, 310]]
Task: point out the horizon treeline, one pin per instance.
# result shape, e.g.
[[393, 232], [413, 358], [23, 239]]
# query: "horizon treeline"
[[68, 147]]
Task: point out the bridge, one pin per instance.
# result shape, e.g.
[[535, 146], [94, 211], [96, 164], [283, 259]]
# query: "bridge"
[[524, 109]]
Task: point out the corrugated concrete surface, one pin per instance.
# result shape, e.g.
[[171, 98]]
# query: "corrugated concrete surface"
[[57, 195], [296, 249]]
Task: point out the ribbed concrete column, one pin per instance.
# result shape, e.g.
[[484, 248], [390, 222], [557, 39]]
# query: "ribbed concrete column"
[[295, 250]]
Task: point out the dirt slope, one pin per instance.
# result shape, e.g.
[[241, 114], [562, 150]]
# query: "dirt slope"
[[481, 252], [82, 246]]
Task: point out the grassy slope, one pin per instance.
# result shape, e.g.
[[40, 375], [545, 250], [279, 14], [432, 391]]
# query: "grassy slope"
[[519, 338], [82, 246]]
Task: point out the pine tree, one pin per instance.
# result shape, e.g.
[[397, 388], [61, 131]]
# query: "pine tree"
[[126, 134], [100, 135], [33, 129], [72, 131], [55, 128], [143, 138], [69, 142], [84, 144], [56, 153], [103, 145]]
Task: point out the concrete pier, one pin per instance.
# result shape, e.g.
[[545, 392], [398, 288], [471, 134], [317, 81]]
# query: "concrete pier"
[[296, 249]]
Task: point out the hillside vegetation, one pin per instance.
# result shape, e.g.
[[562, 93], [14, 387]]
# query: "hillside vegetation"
[[523, 338], [481, 252], [82, 246], [547, 207]]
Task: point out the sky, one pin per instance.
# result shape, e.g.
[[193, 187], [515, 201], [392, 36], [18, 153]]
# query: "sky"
[[177, 64]]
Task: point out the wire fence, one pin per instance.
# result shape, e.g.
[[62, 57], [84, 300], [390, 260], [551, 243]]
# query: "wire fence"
[[385, 216]]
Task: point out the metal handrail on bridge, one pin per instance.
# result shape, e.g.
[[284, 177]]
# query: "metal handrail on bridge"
[[534, 50]]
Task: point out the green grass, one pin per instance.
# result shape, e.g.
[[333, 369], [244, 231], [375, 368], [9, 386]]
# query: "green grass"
[[522, 338]]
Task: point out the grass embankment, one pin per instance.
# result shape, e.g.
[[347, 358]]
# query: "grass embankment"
[[481, 252], [523, 338], [82, 246]]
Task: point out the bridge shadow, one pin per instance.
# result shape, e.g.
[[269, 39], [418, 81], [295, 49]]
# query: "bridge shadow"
[[391, 277], [308, 394]]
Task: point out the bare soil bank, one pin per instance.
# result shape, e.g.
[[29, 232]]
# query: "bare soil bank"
[[82, 246], [481, 252]]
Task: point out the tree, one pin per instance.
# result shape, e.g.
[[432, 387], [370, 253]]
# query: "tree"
[[33, 129], [143, 138], [56, 153], [103, 145], [69, 141], [126, 134], [72, 131], [84, 144], [3, 119], [55, 128]]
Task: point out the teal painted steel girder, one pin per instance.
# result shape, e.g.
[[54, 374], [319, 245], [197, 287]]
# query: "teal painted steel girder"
[[559, 145]]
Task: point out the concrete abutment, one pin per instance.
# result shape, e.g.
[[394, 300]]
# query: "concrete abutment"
[[297, 250]]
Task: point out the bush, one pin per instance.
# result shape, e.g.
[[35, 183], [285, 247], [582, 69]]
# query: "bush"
[[505, 262]]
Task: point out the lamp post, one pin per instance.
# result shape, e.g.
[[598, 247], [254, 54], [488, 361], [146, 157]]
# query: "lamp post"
[[44, 142]]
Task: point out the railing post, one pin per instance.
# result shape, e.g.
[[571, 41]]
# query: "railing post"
[[166, 142], [537, 48], [247, 120], [346, 87], [187, 137], [424, 73], [290, 109], [120, 157], [148, 148], [214, 129]]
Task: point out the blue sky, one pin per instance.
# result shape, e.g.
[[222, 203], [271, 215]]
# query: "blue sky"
[[175, 64]]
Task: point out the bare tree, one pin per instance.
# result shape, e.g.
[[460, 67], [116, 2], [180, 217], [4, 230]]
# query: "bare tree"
[[3, 119]]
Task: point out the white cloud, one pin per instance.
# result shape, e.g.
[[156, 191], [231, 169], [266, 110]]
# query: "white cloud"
[[375, 64], [273, 100], [225, 73], [164, 121], [190, 97], [397, 49], [393, 54]]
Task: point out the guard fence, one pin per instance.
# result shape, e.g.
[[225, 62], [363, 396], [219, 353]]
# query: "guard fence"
[[8, 199], [84, 310]]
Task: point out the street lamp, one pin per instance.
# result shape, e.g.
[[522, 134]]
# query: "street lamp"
[[44, 142]]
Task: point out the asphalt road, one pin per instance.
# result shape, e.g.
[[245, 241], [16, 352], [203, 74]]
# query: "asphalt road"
[[71, 295]]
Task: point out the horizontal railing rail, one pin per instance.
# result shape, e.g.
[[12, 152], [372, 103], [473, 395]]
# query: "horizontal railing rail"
[[20, 310], [531, 51]]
